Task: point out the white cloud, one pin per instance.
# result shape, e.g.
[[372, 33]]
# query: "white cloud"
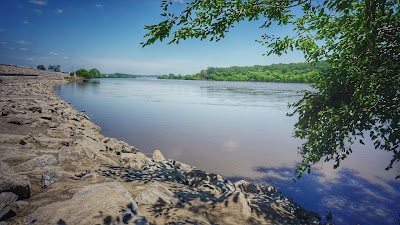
[[26, 22], [66, 57], [23, 49], [59, 11], [30, 59], [99, 6], [180, 1], [53, 53], [38, 11], [38, 2], [22, 42]]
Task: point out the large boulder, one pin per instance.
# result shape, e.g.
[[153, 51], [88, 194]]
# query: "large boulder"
[[156, 193], [40, 161], [81, 154], [236, 208], [158, 156], [54, 143], [75, 154], [248, 187], [88, 143], [7, 200], [15, 183], [135, 160], [105, 203]]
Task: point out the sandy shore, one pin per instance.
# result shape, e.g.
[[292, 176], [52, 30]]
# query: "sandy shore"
[[57, 168]]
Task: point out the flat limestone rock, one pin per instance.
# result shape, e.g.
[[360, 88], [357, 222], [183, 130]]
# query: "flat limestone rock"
[[7, 200], [40, 161], [105, 203], [156, 193]]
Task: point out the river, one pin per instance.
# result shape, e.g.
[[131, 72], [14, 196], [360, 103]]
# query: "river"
[[239, 130]]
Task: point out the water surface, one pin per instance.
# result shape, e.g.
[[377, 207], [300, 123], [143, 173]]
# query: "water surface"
[[239, 130]]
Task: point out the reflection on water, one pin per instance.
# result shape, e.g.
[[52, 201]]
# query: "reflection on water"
[[350, 198], [238, 129]]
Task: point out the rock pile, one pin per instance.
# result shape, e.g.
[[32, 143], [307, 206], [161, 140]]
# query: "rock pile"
[[57, 168]]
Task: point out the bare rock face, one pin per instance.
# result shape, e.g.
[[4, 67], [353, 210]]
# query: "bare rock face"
[[15, 183], [248, 187], [105, 203], [40, 161], [156, 193], [237, 208], [158, 156], [75, 154], [91, 144], [7, 200], [135, 160]]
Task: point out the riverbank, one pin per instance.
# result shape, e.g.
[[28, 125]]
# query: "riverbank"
[[57, 167]]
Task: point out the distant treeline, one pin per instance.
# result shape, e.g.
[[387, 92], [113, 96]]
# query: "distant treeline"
[[118, 75], [95, 73], [290, 73]]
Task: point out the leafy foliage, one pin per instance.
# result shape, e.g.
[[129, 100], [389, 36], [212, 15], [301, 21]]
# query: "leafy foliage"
[[95, 73], [84, 73], [118, 75], [41, 67], [54, 68], [289, 73], [360, 39]]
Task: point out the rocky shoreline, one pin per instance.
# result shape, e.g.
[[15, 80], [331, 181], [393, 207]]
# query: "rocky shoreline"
[[57, 168]]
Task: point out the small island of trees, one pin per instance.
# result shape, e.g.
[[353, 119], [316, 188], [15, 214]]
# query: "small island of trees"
[[288, 73]]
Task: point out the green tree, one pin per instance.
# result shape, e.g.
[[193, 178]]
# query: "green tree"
[[358, 94], [95, 73], [41, 67], [84, 73], [54, 68]]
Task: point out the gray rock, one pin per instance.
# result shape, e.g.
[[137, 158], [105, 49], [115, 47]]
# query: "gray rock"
[[50, 177], [20, 206], [88, 143], [158, 156], [7, 200], [136, 161], [75, 154], [236, 208], [55, 143], [46, 116], [40, 161], [182, 166], [248, 187], [94, 204], [35, 108], [15, 183], [156, 193], [56, 133], [15, 120], [80, 154]]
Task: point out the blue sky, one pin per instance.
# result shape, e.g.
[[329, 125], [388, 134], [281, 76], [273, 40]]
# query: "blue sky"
[[106, 34]]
